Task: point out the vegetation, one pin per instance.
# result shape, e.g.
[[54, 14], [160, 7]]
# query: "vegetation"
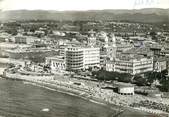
[[150, 77], [105, 75], [141, 80]]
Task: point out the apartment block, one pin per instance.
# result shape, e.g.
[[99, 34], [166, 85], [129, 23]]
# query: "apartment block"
[[82, 57]]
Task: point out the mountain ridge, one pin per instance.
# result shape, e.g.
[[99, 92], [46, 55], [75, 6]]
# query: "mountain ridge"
[[148, 15]]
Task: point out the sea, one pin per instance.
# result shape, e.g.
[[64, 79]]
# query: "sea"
[[18, 99]]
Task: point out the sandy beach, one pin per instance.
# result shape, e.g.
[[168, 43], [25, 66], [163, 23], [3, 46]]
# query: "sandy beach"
[[89, 90]]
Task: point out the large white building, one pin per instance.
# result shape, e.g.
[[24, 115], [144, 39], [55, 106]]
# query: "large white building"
[[62, 50], [131, 64], [82, 57], [134, 64]]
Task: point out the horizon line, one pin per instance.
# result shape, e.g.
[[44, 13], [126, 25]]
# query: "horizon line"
[[79, 10]]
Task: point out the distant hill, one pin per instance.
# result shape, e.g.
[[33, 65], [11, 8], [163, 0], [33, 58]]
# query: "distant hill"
[[150, 15]]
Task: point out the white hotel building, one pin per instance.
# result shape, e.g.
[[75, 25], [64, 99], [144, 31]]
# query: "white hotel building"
[[82, 57], [134, 64], [131, 64]]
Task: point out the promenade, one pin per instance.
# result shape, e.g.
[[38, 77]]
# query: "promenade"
[[90, 90]]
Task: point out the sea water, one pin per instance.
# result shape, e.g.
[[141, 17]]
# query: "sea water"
[[24, 100]]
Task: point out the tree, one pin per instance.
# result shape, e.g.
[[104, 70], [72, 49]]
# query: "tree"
[[150, 76], [124, 77], [164, 85], [106, 75], [139, 80]]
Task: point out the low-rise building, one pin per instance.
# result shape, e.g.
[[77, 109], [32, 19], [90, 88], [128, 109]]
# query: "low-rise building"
[[165, 53], [56, 63], [145, 51], [4, 37], [110, 66], [4, 47], [159, 64], [33, 54], [156, 49], [20, 39], [126, 89]]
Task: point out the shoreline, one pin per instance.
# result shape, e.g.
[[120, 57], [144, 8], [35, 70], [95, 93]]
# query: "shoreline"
[[95, 101], [54, 83], [118, 110], [62, 91]]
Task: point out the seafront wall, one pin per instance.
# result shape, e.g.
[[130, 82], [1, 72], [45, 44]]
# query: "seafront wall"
[[88, 93], [26, 77], [52, 83]]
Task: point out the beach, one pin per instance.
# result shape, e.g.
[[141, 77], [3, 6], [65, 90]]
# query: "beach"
[[18, 99], [89, 90]]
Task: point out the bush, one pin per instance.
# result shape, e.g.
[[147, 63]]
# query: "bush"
[[106, 75], [164, 85], [139, 80]]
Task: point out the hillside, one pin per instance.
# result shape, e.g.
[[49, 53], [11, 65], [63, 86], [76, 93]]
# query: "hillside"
[[151, 15]]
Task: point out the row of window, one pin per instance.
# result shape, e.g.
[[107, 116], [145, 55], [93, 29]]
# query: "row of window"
[[88, 61], [74, 58], [58, 65]]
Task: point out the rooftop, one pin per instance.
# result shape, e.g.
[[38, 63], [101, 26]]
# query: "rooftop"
[[128, 57], [156, 46], [12, 45], [27, 50], [57, 58], [123, 85], [160, 59], [138, 50]]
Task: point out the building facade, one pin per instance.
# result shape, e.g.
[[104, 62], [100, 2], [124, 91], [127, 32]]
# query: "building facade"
[[126, 90], [62, 50], [56, 63], [82, 57], [159, 64], [134, 65], [91, 40], [91, 57], [110, 66], [20, 39]]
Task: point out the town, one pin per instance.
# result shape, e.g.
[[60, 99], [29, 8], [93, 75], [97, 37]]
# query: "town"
[[122, 63]]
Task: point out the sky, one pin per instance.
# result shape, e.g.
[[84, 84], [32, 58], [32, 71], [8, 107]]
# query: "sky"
[[62, 5]]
